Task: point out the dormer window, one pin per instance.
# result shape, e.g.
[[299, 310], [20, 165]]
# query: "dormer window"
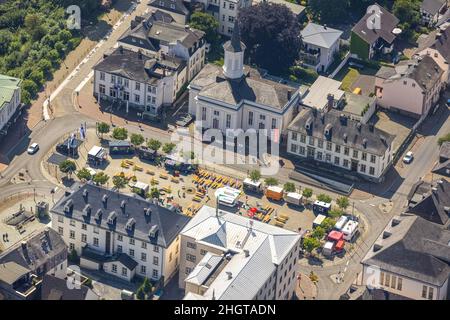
[[130, 224], [85, 193], [123, 204], [112, 218], [105, 199], [328, 129], [68, 207], [98, 214], [148, 212], [87, 210], [153, 232]]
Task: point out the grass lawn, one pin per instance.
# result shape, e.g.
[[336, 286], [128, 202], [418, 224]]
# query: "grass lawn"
[[349, 75]]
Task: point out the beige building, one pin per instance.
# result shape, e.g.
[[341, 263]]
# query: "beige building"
[[225, 256]]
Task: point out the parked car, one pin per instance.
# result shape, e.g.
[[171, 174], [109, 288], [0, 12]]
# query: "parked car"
[[408, 158], [33, 148]]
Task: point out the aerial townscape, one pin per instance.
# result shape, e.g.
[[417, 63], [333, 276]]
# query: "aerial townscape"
[[224, 150]]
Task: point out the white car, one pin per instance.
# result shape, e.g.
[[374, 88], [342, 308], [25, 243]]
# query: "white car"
[[33, 148], [408, 157]]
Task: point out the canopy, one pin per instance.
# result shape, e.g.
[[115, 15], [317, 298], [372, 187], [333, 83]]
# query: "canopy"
[[335, 236]]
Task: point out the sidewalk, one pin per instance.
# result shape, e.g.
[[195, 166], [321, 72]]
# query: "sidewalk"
[[305, 289]]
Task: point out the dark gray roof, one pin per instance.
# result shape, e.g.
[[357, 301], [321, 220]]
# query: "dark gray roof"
[[432, 6], [127, 261], [439, 40], [344, 131], [54, 288], [442, 168], [169, 223], [176, 6], [235, 44], [435, 206], [388, 22], [414, 248], [251, 87], [36, 250], [444, 151], [137, 66]]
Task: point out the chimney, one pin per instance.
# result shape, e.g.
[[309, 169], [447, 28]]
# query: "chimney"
[[289, 95], [229, 274], [121, 49], [330, 99], [246, 253], [140, 54], [24, 245]]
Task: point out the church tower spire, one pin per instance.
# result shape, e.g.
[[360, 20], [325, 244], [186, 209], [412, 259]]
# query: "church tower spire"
[[233, 67]]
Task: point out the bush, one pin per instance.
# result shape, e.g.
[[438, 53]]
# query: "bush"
[[168, 147], [443, 139], [255, 175], [271, 181], [324, 198], [309, 244], [84, 175], [289, 187], [137, 139], [307, 193], [120, 134], [318, 233], [154, 144]]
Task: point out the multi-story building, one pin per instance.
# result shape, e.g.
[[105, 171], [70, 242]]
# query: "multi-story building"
[[437, 46], [178, 9], [338, 141], [319, 46], [413, 87], [23, 265], [432, 10], [147, 83], [9, 101], [409, 260], [125, 236], [157, 33], [239, 97], [226, 256]]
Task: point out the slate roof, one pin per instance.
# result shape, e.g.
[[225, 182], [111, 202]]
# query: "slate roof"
[[424, 70], [320, 36], [414, 248], [169, 223], [388, 22], [435, 206], [443, 168], [439, 40], [432, 6], [176, 6], [54, 288], [444, 151], [251, 87], [134, 66], [343, 131], [40, 247]]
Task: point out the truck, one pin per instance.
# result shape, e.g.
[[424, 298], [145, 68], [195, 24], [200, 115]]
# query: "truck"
[[350, 230], [274, 193], [294, 198]]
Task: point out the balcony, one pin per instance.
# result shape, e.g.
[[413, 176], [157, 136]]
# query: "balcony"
[[310, 57]]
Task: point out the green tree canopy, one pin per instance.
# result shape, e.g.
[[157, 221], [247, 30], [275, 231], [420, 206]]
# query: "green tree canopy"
[[307, 193], [119, 182], [103, 128], [68, 167], [289, 187], [271, 181], [168, 147], [445, 138], [120, 133], [84, 174], [323, 197], [343, 202], [206, 23], [255, 175], [154, 144], [310, 243], [100, 178], [137, 139]]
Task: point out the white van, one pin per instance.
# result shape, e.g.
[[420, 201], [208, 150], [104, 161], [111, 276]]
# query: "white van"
[[341, 223], [350, 230]]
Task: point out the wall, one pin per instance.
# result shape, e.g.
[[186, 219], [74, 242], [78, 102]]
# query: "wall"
[[410, 100]]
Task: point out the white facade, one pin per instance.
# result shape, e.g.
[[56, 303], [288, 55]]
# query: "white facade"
[[153, 261], [262, 266], [9, 99], [358, 160]]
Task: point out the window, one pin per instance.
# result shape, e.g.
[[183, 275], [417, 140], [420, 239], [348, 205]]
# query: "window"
[[328, 157], [95, 242], [187, 270], [60, 219], [430, 293], [337, 148], [143, 269], [71, 246], [320, 143], [364, 156], [203, 252], [137, 98], [362, 168], [124, 271], [231, 6], [155, 249], [191, 245], [262, 117], [302, 138], [119, 249], [203, 113], [113, 79], [381, 278], [61, 230], [191, 258], [119, 237], [302, 150], [294, 148], [102, 76], [83, 238], [337, 161], [137, 86], [96, 230], [143, 256], [132, 241], [399, 284], [131, 252], [228, 122], [155, 273], [83, 226], [102, 89], [393, 282], [114, 268], [144, 245], [345, 163], [126, 83], [355, 153], [329, 145], [387, 280], [346, 151], [373, 158], [294, 136], [319, 156], [72, 223], [311, 140], [424, 292], [372, 171], [230, 19], [216, 113], [274, 123], [250, 118], [155, 261]]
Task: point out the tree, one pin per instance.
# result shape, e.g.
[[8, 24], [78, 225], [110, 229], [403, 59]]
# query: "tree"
[[73, 256], [35, 26], [100, 178], [335, 213], [318, 233], [307, 193], [119, 182], [324, 198], [146, 285], [84, 175], [120, 134], [154, 144], [67, 167], [309, 244], [271, 33], [328, 11], [137, 139], [140, 293], [408, 12], [271, 181], [255, 175], [168, 147], [154, 193], [103, 128], [289, 187], [445, 138], [342, 202], [328, 224], [206, 23]]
